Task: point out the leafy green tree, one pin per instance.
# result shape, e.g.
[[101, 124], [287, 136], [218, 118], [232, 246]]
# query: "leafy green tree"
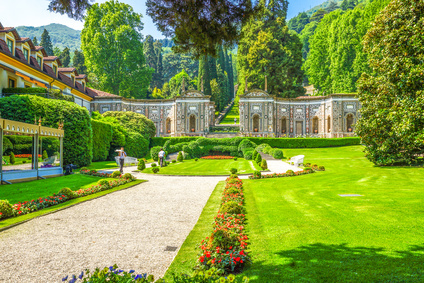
[[336, 59], [199, 26], [305, 35], [113, 50], [175, 84], [213, 75], [270, 49], [73, 8], [65, 57], [78, 62], [56, 51], [12, 158], [173, 63], [46, 42], [230, 76], [392, 95]]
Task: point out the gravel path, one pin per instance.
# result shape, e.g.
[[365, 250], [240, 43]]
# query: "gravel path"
[[131, 228]]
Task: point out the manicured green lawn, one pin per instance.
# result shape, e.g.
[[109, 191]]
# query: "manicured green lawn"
[[103, 165], [233, 113], [207, 167], [301, 230], [27, 191]]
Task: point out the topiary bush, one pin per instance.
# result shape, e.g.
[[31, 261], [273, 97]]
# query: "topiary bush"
[[257, 174], [128, 176], [6, 209], [67, 192], [307, 169], [173, 161], [290, 172], [255, 154], [248, 154], [141, 165], [104, 184], [196, 159], [235, 158], [231, 207], [258, 159], [153, 164], [264, 164], [321, 168], [116, 174], [277, 153], [155, 169], [233, 170], [180, 157], [187, 156], [136, 145], [134, 122], [12, 158]]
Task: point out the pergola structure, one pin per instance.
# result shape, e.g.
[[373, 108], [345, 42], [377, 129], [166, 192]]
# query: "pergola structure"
[[8, 127]]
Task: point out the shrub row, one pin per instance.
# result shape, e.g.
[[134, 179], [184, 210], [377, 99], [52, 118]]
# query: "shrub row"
[[306, 142], [225, 249], [160, 141], [277, 153], [8, 210]]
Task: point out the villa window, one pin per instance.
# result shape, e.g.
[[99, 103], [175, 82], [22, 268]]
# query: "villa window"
[[12, 83], [26, 54], [10, 45], [39, 61]]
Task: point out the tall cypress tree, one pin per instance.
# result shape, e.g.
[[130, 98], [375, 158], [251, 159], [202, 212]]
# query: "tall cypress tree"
[[204, 72], [213, 75], [46, 42], [78, 62], [149, 52], [158, 75], [35, 41], [230, 76]]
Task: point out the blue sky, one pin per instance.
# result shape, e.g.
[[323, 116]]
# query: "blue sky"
[[35, 13]]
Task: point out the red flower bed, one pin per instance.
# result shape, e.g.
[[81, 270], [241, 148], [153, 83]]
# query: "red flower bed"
[[217, 157], [25, 155], [225, 250]]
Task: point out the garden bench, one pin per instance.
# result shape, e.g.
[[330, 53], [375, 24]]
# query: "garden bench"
[[49, 161], [297, 160], [127, 161]]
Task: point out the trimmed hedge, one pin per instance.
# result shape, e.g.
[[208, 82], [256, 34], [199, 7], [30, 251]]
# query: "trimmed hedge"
[[306, 142], [136, 145], [77, 144], [154, 151], [134, 122], [160, 141], [38, 91], [102, 137]]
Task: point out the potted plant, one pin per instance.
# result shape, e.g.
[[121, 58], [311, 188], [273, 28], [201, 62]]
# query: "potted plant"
[[316, 131], [349, 129], [256, 129]]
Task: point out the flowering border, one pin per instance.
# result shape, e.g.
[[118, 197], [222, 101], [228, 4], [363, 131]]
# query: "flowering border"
[[26, 207], [225, 250]]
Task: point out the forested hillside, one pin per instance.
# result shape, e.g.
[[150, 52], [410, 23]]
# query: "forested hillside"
[[61, 35]]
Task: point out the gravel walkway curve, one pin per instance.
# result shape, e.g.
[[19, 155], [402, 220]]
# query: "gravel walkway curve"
[[131, 228]]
